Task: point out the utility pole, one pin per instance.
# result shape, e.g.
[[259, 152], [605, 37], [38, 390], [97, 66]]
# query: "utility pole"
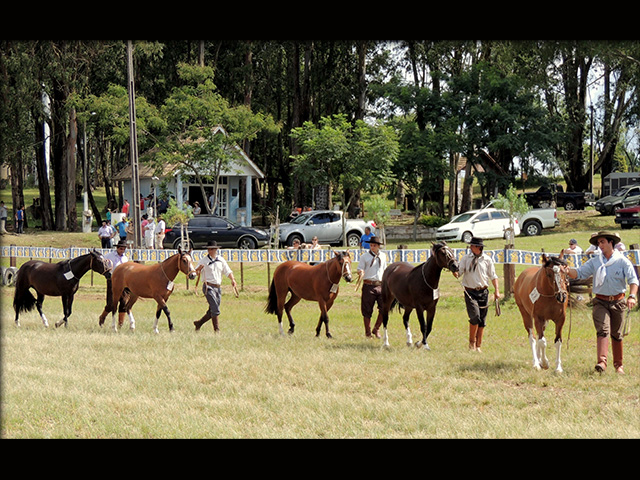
[[133, 147]]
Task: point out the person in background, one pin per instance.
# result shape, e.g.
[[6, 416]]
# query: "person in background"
[[143, 225], [478, 271], [370, 269], [125, 207], [20, 220], [214, 267], [121, 228], [364, 239], [104, 233], [159, 232], [573, 248], [196, 208], [149, 235], [3, 218], [611, 272]]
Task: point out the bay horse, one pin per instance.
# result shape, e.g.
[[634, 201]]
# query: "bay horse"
[[416, 288], [541, 295], [60, 279], [149, 281], [319, 282]]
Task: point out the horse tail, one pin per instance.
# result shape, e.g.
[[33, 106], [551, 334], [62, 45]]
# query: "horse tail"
[[23, 299], [272, 302]]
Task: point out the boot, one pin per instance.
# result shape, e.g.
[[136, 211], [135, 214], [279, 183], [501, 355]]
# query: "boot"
[[602, 346], [377, 326], [479, 339], [473, 333], [367, 327], [616, 347], [214, 320], [202, 321]]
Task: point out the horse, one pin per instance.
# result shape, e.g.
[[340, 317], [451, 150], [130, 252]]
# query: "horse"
[[149, 281], [416, 288], [60, 279], [319, 282], [541, 295]]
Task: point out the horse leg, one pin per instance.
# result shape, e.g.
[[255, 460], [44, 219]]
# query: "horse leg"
[[292, 302], [425, 328], [542, 344], [534, 352], [325, 319], [66, 308], [384, 311], [558, 345], [163, 308], [39, 302], [405, 321]]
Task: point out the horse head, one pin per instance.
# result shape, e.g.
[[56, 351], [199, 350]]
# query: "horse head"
[[101, 265], [185, 264], [445, 257], [344, 260], [555, 270]]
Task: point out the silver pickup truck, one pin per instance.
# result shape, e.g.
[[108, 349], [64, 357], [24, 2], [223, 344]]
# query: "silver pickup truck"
[[324, 224], [536, 219]]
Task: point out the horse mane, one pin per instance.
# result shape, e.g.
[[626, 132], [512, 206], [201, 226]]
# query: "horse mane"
[[551, 261]]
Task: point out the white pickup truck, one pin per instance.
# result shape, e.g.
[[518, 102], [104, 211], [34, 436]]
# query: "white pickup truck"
[[324, 224], [535, 220]]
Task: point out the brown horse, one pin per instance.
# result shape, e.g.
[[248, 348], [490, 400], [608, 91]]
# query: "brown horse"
[[541, 295], [318, 283], [416, 288], [60, 279], [149, 281]]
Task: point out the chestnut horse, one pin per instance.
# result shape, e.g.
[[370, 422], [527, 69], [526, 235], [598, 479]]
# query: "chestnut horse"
[[60, 279], [318, 283], [416, 288], [541, 295], [149, 281]]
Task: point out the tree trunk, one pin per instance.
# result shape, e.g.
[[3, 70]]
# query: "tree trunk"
[[46, 211], [71, 159]]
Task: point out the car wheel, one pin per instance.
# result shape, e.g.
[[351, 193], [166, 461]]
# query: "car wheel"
[[353, 240], [247, 243], [569, 205], [532, 228], [188, 245], [292, 238], [466, 237]]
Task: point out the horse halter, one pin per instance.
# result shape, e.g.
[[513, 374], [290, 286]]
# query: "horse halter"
[[345, 270], [191, 272], [559, 282], [450, 258]]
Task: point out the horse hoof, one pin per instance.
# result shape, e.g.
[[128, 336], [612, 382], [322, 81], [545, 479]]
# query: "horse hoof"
[[290, 331], [329, 335]]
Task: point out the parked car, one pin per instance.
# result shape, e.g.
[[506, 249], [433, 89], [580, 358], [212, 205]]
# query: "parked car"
[[627, 196], [547, 195], [628, 217], [483, 223], [203, 228], [535, 220], [324, 224]]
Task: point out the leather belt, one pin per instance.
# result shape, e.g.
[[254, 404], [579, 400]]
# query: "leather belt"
[[610, 298], [214, 285], [475, 289], [372, 282]]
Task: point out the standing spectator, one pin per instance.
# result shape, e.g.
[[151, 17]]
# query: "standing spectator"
[[611, 272], [370, 268], [196, 208], [150, 233], [20, 219], [160, 228], [3, 218], [121, 228], [125, 207], [104, 233], [143, 225], [364, 239]]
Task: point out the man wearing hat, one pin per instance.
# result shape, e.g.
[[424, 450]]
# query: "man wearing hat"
[[115, 257], [611, 272], [370, 269], [478, 271], [214, 267]]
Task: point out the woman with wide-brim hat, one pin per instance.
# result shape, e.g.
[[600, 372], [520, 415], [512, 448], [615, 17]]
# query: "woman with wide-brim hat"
[[611, 272], [214, 267]]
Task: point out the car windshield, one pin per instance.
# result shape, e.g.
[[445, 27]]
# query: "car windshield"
[[463, 217], [300, 219]]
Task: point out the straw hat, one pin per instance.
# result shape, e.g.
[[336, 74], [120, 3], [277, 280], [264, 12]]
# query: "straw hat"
[[604, 233]]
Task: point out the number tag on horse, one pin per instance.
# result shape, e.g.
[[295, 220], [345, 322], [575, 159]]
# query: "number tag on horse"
[[436, 293], [334, 288], [68, 275], [170, 285], [534, 295]]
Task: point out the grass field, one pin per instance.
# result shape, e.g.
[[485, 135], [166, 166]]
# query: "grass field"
[[249, 382]]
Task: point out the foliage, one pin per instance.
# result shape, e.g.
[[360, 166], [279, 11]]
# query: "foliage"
[[513, 203]]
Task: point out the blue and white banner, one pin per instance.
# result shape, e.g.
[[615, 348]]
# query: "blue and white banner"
[[501, 256]]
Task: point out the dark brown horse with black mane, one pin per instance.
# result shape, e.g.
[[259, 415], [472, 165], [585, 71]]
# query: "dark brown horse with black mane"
[[60, 279], [319, 283], [149, 281], [416, 288], [541, 295]]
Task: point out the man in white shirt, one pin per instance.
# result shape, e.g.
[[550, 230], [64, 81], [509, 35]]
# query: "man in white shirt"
[[478, 271], [160, 228], [116, 257], [370, 269], [214, 267]]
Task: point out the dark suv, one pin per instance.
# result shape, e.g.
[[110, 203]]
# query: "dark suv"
[[203, 228]]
